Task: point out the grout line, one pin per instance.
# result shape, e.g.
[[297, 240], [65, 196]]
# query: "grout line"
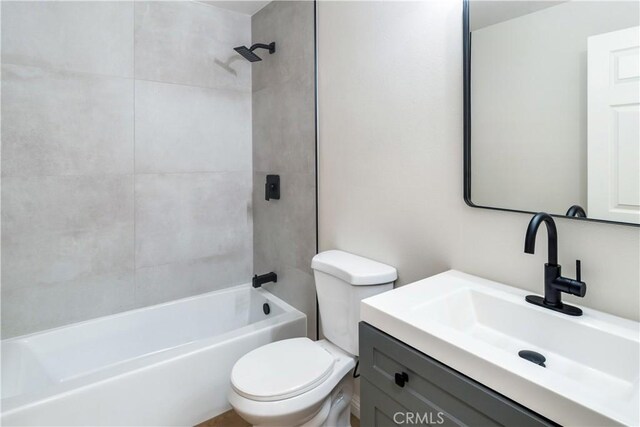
[[195, 172], [227, 89], [88, 175], [66, 70], [117, 174], [115, 76]]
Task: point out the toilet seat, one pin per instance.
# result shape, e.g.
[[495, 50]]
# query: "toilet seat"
[[296, 410], [282, 370]]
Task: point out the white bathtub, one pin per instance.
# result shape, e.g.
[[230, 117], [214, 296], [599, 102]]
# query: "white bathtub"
[[163, 365]]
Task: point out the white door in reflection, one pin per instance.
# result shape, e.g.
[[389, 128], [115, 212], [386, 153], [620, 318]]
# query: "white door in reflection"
[[614, 126]]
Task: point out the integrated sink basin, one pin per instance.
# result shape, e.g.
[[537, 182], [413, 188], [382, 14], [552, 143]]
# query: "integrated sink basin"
[[488, 332]]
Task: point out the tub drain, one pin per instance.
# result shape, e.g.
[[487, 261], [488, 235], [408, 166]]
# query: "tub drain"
[[533, 356]]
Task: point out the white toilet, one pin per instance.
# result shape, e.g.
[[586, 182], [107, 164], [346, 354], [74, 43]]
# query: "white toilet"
[[299, 382]]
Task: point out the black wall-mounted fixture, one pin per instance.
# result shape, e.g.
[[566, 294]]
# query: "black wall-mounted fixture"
[[554, 283], [576, 210], [272, 187], [258, 281], [247, 52]]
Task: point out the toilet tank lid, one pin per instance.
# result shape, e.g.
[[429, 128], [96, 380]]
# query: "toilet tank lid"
[[353, 269]]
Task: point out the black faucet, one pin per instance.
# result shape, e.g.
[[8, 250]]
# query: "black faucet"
[[264, 278], [554, 283]]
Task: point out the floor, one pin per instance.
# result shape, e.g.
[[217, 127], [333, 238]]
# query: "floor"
[[228, 419], [231, 419]]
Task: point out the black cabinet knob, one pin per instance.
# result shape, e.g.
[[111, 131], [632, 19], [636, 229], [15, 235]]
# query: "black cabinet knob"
[[401, 378]]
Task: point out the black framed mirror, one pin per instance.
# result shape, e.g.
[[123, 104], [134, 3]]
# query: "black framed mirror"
[[552, 108]]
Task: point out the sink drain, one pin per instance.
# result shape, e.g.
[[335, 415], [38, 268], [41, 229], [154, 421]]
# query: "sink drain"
[[533, 356]]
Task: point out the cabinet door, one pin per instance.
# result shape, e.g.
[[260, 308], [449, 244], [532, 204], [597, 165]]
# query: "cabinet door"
[[377, 409], [430, 385]]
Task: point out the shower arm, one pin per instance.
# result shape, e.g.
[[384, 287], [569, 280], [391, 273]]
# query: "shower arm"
[[271, 47]]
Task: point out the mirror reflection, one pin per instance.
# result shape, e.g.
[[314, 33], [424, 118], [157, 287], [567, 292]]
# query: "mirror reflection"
[[555, 95]]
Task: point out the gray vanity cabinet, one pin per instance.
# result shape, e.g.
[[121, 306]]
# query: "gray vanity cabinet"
[[402, 386]]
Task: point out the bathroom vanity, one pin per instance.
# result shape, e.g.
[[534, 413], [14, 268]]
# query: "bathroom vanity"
[[454, 349], [399, 383]]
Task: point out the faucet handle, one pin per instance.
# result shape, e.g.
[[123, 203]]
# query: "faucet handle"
[[578, 270]]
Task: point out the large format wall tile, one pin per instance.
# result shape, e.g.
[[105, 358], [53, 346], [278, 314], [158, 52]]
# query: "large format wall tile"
[[199, 49], [284, 127], [59, 204], [287, 224], [65, 123], [63, 228], [189, 129], [71, 122], [167, 282], [30, 309], [93, 37], [290, 24], [298, 288], [181, 217], [65, 241], [283, 117]]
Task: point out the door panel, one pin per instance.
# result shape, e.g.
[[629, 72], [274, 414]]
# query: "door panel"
[[614, 126]]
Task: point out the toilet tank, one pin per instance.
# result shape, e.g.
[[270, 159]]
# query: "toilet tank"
[[342, 281]]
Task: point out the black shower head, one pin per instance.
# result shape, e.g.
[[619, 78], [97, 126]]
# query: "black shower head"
[[248, 54]]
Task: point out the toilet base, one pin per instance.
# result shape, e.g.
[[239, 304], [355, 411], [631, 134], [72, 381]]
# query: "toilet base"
[[340, 413], [336, 409]]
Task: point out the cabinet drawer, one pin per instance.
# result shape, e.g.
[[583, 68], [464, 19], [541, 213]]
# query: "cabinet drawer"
[[430, 384]]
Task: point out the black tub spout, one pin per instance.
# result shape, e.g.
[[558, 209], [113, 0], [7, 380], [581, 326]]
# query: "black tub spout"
[[258, 281]]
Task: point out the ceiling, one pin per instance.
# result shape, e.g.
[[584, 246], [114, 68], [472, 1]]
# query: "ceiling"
[[247, 7], [485, 13]]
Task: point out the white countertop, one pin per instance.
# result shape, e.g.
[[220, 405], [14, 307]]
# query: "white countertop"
[[477, 326]]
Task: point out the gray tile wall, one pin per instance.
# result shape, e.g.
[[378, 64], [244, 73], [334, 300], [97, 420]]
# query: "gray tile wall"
[[284, 143], [126, 157]]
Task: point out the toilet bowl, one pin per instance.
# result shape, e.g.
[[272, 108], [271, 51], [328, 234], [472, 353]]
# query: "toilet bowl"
[[300, 382], [292, 382]]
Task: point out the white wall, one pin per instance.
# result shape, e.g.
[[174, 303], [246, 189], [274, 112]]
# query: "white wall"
[[529, 104], [390, 105], [390, 100]]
